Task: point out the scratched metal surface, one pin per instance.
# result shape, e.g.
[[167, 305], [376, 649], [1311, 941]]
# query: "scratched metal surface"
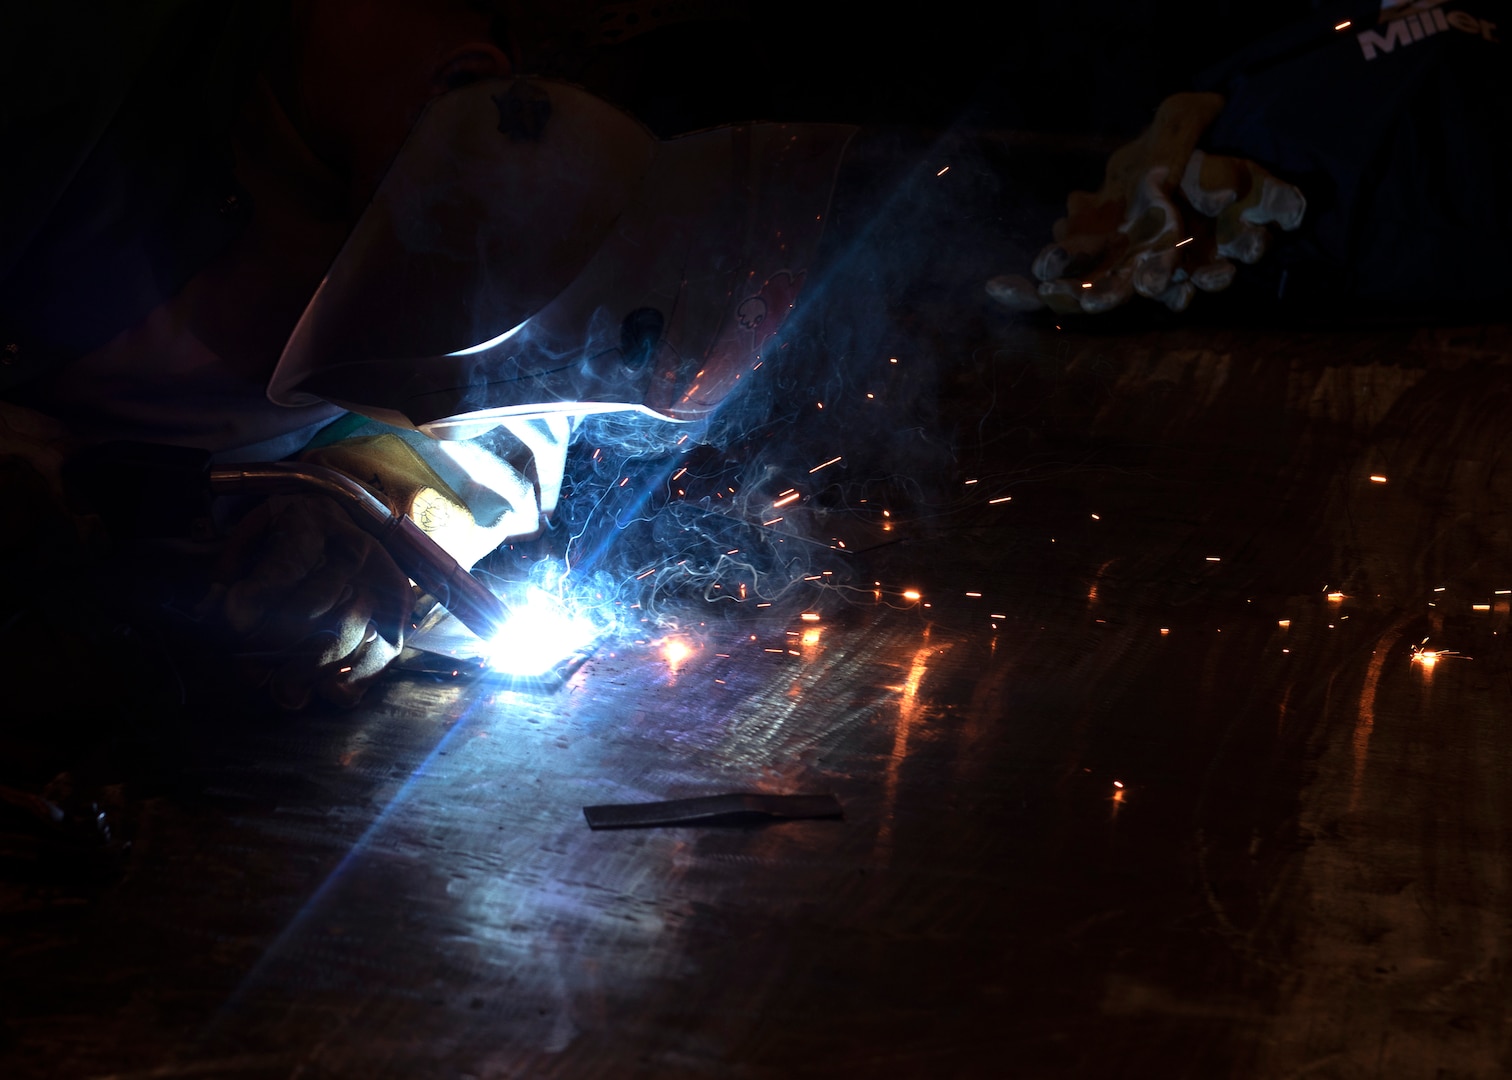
[[1155, 803]]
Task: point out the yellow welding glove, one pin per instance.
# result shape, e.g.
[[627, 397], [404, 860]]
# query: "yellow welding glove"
[[481, 502], [1167, 222], [313, 604]]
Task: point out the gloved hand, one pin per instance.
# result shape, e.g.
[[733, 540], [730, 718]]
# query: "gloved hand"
[[480, 502], [1168, 220], [313, 603]]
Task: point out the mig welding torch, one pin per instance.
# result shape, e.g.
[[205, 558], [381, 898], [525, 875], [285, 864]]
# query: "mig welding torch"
[[121, 480]]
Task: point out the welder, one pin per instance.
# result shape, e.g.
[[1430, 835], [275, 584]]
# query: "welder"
[[192, 173]]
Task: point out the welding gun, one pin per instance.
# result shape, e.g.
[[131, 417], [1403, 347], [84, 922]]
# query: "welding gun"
[[145, 489]]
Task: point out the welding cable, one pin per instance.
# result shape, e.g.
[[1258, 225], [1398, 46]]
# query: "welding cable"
[[427, 564]]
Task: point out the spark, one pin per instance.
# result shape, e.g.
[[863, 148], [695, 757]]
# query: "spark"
[[1377, 478], [785, 500], [1284, 623], [811, 636], [810, 616], [678, 475], [648, 573], [892, 359], [1086, 284], [1183, 243], [969, 482], [943, 171], [1165, 629], [975, 594], [911, 594], [1345, 25], [824, 465], [997, 615], [1118, 784], [772, 522], [1214, 558], [1001, 499], [539, 633], [1480, 607], [676, 651], [1335, 597], [1096, 517]]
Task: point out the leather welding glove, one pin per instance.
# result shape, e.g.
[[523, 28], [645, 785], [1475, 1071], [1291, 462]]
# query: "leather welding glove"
[[1167, 222], [314, 604], [465, 496]]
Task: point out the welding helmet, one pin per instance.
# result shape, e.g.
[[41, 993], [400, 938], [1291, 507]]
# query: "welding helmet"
[[535, 251]]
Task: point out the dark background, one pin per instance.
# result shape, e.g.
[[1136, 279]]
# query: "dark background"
[[1089, 67]]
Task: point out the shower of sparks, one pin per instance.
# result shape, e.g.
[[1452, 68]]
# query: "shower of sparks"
[[824, 465], [1427, 658]]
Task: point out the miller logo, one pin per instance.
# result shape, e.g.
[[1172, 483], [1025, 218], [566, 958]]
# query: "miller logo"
[[1414, 26]]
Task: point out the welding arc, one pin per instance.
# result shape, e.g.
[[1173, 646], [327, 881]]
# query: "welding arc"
[[424, 560]]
